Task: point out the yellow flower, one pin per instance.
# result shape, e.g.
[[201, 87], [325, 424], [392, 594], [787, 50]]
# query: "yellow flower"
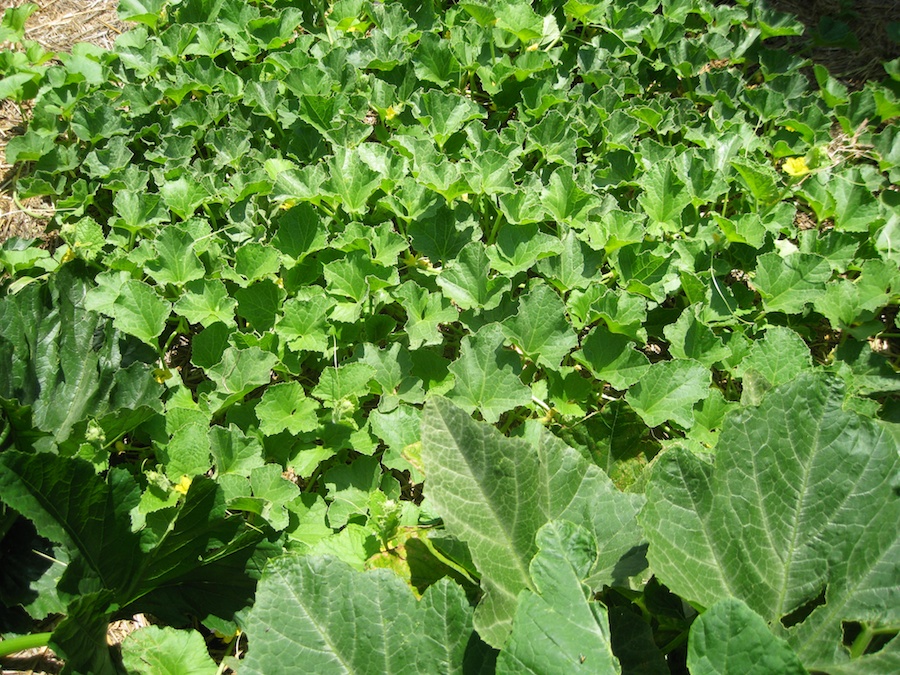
[[183, 485], [392, 112], [795, 166]]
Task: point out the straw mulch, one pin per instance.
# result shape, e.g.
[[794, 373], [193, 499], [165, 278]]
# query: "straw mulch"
[[56, 26]]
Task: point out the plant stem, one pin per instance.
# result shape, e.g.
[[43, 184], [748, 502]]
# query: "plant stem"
[[18, 644], [861, 643]]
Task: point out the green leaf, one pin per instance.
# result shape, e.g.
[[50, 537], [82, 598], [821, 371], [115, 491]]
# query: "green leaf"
[[304, 323], [259, 304], [256, 261], [787, 284], [141, 11], [566, 201], [731, 638], [133, 305], [347, 381], [206, 301], [558, 626], [668, 391], [519, 246], [351, 179], [540, 328], [425, 313], [69, 504], [284, 407], [347, 621], [167, 651], [68, 364], [818, 483], [355, 275], [183, 196], [487, 376], [467, 281], [233, 452], [664, 196], [175, 261], [494, 493], [778, 357], [434, 61], [690, 339], [443, 114], [761, 180], [242, 370], [300, 231], [611, 357]]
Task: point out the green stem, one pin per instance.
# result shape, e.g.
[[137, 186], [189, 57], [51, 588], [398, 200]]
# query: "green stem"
[[444, 559], [675, 644], [862, 641], [18, 644], [495, 226]]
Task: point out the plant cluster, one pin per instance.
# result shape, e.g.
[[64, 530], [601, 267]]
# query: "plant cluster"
[[518, 337]]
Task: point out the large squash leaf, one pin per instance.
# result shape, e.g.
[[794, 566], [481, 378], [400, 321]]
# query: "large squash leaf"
[[801, 500], [67, 363], [494, 493], [320, 612]]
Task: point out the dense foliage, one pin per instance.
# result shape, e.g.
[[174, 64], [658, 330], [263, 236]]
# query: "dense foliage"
[[368, 314]]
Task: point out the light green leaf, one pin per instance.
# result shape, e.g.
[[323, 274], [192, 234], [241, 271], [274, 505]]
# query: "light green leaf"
[[787, 284], [730, 638], [284, 407], [558, 627], [611, 357], [801, 499], [494, 493], [487, 376], [166, 651], [444, 114], [540, 328], [344, 621], [467, 280], [141, 11], [664, 196], [668, 391], [133, 305], [206, 301]]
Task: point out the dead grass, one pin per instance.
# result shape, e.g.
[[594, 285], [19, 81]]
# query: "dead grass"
[[867, 20]]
